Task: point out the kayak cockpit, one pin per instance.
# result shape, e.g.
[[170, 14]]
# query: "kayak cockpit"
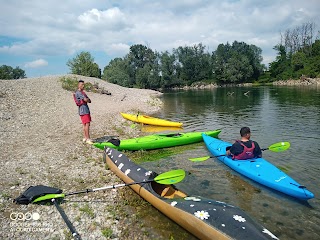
[[167, 191]]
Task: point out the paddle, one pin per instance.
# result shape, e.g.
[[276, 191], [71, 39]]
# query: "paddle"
[[166, 178], [73, 231], [276, 147], [112, 139]]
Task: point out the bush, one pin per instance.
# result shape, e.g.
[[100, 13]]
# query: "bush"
[[71, 84]]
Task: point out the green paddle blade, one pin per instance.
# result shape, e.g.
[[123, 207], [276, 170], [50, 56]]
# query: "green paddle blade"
[[48, 197], [279, 147], [199, 159], [170, 177]]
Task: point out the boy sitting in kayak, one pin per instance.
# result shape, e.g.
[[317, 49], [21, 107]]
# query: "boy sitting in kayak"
[[245, 148]]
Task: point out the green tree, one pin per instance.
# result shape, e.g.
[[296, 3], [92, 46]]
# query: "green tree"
[[139, 56], [117, 72], [8, 72], [168, 69], [237, 63], [278, 67], [83, 64], [193, 63]]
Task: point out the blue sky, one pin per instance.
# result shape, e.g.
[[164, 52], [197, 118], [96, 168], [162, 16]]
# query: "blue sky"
[[41, 36]]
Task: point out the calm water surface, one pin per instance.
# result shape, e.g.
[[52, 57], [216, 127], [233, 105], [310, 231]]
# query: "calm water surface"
[[274, 114]]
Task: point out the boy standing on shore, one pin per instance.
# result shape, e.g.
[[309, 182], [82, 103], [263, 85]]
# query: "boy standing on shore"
[[82, 100]]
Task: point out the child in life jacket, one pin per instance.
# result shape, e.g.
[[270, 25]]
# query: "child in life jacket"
[[245, 148]]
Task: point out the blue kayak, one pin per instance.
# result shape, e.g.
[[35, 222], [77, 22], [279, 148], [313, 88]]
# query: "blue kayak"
[[259, 170]]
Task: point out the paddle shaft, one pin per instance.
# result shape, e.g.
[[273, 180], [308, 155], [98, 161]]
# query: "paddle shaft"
[[282, 146], [67, 221], [108, 187]]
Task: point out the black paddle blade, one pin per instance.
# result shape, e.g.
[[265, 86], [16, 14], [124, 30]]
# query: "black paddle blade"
[[113, 139], [34, 192]]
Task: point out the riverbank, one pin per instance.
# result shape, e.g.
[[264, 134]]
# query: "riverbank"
[[41, 143], [303, 81]]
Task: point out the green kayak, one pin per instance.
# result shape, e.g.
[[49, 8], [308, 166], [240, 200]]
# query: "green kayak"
[[156, 141]]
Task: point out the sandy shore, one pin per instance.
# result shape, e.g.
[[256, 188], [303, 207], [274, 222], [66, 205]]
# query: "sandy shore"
[[41, 143]]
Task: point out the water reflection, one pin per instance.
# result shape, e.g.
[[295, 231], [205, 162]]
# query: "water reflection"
[[274, 114]]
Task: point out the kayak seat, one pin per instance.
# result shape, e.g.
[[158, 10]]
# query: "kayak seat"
[[171, 135], [165, 191]]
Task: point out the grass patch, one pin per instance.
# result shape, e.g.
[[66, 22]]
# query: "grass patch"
[[87, 210], [67, 235], [107, 232]]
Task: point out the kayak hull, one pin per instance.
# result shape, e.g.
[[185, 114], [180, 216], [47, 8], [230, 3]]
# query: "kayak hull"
[[204, 218], [150, 120], [157, 141], [259, 170]]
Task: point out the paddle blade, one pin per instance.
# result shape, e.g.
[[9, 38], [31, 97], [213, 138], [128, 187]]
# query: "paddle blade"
[[48, 197], [279, 147], [199, 159], [170, 177]]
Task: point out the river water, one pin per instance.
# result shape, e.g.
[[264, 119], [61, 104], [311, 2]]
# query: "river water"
[[274, 114]]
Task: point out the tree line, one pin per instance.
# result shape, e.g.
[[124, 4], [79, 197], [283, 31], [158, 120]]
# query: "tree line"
[[298, 54], [8, 72], [144, 68]]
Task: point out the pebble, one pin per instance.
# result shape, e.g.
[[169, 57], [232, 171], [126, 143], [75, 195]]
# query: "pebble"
[[41, 143]]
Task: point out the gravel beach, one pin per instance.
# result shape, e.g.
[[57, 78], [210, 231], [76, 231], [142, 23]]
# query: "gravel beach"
[[41, 143]]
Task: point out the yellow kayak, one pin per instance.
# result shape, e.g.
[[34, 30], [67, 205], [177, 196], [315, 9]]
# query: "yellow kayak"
[[150, 120], [153, 128]]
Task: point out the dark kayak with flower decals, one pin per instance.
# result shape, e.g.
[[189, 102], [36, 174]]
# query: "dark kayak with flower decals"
[[204, 218]]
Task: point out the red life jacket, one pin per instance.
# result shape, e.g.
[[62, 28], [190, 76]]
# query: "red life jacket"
[[247, 153], [79, 102]]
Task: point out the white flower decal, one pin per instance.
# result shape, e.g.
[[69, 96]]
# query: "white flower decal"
[[148, 173], [269, 233], [120, 165], [174, 203], [192, 199], [202, 214], [127, 171], [239, 218]]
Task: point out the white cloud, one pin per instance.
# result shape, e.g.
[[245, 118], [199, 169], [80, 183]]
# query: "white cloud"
[[47, 29], [111, 19], [37, 63]]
